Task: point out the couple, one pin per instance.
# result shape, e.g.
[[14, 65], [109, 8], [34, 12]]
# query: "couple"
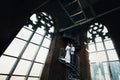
[[69, 53]]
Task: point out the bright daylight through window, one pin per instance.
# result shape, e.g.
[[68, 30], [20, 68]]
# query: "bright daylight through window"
[[104, 61], [26, 55]]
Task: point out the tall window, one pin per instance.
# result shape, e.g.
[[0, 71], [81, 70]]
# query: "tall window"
[[104, 61], [25, 57]]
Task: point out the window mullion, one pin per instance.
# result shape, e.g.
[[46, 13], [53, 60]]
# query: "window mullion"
[[101, 38], [35, 57], [19, 57], [108, 63], [33, 33]]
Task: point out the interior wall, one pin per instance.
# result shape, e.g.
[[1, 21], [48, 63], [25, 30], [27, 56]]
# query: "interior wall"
[[54, 70], [84, 63], [84, 57]]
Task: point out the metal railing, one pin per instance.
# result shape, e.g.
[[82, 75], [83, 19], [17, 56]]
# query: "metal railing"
[[73, 70]]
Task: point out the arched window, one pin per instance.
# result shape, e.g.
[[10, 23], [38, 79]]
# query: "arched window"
[[104, 61], [25, 57]]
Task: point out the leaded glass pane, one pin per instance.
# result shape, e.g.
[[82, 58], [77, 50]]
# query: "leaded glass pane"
[[46, 42], [92, 57], [22, 67], [101, 56], [112, 55], [41, 30], [100, 46], [109, 44], [29, 27], [106, 71], [6, 64], [2, 77], [36, 69], [51, 30], [33, 18], [17, 78], [48, 36], [15, 47], [24, 34], [36, 38], [41, 57], [98, 39], [115, 70], [30, 78], [94, 71], [92, 48], [42, 21], [30, 51]]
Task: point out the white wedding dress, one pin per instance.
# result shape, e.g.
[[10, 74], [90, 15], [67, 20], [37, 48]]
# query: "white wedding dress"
[[67, 56]]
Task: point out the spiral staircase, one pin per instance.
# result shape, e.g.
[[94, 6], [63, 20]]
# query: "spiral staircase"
[[72, 69]]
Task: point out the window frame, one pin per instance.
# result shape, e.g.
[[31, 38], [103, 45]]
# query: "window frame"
[[32, 28]]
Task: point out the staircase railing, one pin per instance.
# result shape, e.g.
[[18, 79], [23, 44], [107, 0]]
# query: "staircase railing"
[[73, 69]]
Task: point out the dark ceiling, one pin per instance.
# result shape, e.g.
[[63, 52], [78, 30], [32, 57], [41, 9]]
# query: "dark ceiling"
[[16, 12]]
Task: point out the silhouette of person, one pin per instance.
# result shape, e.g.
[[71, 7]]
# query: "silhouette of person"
[[72, 50]]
